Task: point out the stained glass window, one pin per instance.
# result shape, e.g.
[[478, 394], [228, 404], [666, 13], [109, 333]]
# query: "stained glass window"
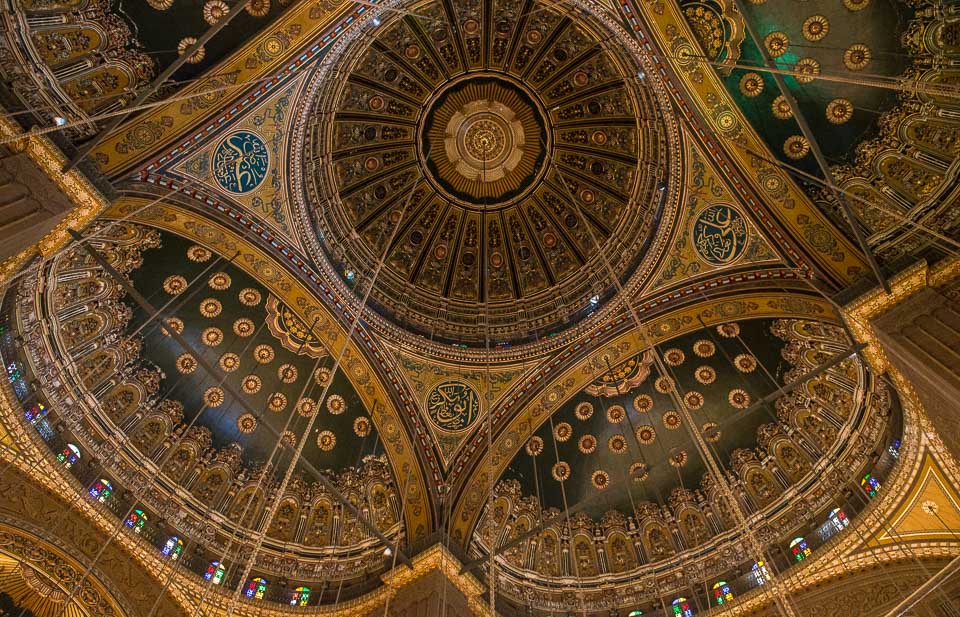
[[681, 608], [721, 592], [69, 456], [894, 449], [870, 484], [137, 520], [635, 613], [215, 572], [101, 490], [173, 548], [34, 412], [760, 573], [799, 548], [256, 588], [300, 597]]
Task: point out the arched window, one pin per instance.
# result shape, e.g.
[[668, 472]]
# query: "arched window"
[[870, 484], [722, 593], [838, 519], [256, 588], [894, 449], [69, 456], [215, 572], [137, 520], [635, 613], [759, 573], [172, 548], [681, 608], [101, 490], [34, 412], [300, 597], [799, 548]]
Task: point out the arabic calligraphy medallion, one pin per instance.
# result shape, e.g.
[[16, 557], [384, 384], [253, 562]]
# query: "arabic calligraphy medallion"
[[720, 235], [240, 162], [453, 406]]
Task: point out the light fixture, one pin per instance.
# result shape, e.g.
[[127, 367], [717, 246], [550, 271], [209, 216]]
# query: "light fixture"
[[595, 300], [376, 21], [350, 275], [59, 120], [387, 552]]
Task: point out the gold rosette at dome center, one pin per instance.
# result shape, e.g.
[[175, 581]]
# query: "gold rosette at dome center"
[[484, 142]]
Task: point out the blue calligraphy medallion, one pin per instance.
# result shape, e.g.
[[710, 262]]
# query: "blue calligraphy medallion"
[[720, 235], [240, 162], [453, 406]]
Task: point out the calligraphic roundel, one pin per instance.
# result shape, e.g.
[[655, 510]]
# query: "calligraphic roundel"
[[720, 235], [453, 406], [240, 162]]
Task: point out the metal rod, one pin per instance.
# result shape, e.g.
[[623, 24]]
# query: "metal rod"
[[154, 85]]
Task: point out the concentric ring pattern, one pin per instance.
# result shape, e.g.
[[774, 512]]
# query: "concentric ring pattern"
[[498, 154]]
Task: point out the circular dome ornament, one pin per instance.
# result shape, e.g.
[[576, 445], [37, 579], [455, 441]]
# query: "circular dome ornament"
[[173, 323], [674, 357], [639, 471], [211, 337], [213, 397], [186, 364], [287, 373], [263, 354], [322, 376], [600, 479], [857, 57], [711, 432], [815, 28], [806, 70], [646, 434], [240, 161], [219, 281], [617, 444], [796, 147], [534, 446], [587, 444], [336, 405], [326, 440], [210, 308], [751, 85], [729, 330], [663, 385], [704, 348], [249, 297], [839, 111], [705, 375], [560, 472], [643, 403], [174, 284], [277, 402], [720, 235], [738, 398], [251, 384], [160, 5], [745, 363], [693, 400], [362, 426], [229, 362], [583, 411], [288, 439], [678, 457], [247, 423], [672, 420], [214, 11], [562, 432], [185, 44], [453, 405], [781, 108], [776, 43], [243, 327], [616, 414], [199, 254], [258, 8], [306, 407]]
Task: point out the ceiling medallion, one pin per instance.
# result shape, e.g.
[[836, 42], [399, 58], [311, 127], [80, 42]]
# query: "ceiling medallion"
[[484, 140], [362, 426], [336, 405], [705, 375], [663, 385], [781, 108], [213, 397], [776, 43], [175, 324], [751, 85], [815, 28], [322, 376], [277, 402], [326, 440], [560, 471], [646, 434], [857, 57], [249, 297], [243, 327], [174, 284], [229, 362], [247, 423], [534, 446], [738, 398], [704, 348], [287, 373], [671, 420], [616, 414], [583, 411], [263, 354], [219, 281], [600, 479], [288, 439], [674, 357], [453, 405], [587, 444], [796, 147], [745, 363], [504, 160], [839, 111], [729, 330], [806, 70], [562, 432], [711, 432], [211, 337], [639, 471], [251, 384], [210, 308], [186, 364], [678, 457], [306, 407], [693, 400], [643, 403], [198, 254], [617, 444]]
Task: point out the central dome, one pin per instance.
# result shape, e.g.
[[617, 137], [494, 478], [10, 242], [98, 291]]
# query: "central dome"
[[484, 141], [500, 163]]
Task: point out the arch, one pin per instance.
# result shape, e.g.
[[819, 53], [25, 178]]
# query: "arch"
[[681, 607], [69, 456], [211, 485], [621, 556], [870, 485], [381, 507], [799, 549], [240, 508], [585, 554], [722, 593], [657, 541], [172, 548], [256, 588], [150, 433], [215, 572], [300, 596], [693, 526], [136, 520], [320, 525], [101, 490], [181, 461], [285, 520], [759, 573], [121, 401], [548, 555]]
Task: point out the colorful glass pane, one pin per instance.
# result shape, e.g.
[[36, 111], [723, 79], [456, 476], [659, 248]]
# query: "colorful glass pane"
[[300, 597], [137, 520], [870, 484], [214, 572], [681, 608], [101, 490], [172, 548], [722, 593], [256, 588], [69, 456], [760, 573], [799, 549]]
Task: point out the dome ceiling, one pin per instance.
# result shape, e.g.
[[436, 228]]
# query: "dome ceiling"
[[485, 150]]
